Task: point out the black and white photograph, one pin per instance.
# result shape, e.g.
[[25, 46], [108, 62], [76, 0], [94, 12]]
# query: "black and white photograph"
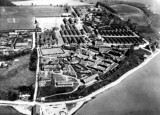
[[79, 57]]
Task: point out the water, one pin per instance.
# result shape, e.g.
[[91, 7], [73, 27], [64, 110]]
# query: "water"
[[138, 94]]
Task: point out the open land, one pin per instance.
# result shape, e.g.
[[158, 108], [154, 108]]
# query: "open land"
[[17, 75], [84, 67], [22, 18], [121, 9]]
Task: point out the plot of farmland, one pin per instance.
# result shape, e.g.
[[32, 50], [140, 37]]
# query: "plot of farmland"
[[23, 17], [126, 9], [17, 74], [130, 12], [141, 20]]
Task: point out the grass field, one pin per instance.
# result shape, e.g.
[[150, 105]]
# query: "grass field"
[[130, 12], [140, 19], [48, 2], [126, 9], [16, 75], [52, 51], [22, 17], [156, 22]]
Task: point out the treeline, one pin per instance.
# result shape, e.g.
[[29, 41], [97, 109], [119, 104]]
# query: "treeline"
[[33, 60], [15, 54], [13, 94], [6, 3], [105, 5], [8, 95]]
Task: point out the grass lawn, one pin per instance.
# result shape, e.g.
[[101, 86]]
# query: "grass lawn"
[[121, 8], [140, 19], [51, 90], [17, 75], [155, 24], [52, 51]]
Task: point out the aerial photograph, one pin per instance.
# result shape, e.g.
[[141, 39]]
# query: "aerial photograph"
[[79, 57]]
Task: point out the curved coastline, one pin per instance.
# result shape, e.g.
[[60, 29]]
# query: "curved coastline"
[[94, 94], [138, 94], [83, 100]]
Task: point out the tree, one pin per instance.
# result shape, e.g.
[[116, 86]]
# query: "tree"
[[6, 3], [33, 60], [12, 96]]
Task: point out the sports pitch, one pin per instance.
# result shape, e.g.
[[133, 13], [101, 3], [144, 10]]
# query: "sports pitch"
[[23, 17]]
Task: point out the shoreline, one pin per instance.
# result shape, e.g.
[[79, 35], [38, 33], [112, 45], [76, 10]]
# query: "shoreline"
[[107, 87], [80, 102]]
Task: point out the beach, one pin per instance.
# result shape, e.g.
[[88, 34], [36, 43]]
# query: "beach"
[[138, 94]]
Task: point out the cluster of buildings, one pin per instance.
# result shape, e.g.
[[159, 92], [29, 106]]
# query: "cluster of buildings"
[[86, 44], [53, 72], [13, 41], [95, 53], [107, 28], [101, 61], [70, 33]]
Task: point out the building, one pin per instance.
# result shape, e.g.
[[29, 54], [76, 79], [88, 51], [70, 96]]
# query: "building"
[[36, 110], [64, 84], [45, 79], [90, 78], [24, 96], [22, 45], [66, 15]]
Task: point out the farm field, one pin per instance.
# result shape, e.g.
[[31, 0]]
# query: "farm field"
[[140, 19], [23, 17], [135, 14], [121, 9]]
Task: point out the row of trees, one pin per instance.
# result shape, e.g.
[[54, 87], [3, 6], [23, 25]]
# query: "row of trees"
[[33, 60], [6, 3], [13, 94], [10, 95], [15, 54]]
